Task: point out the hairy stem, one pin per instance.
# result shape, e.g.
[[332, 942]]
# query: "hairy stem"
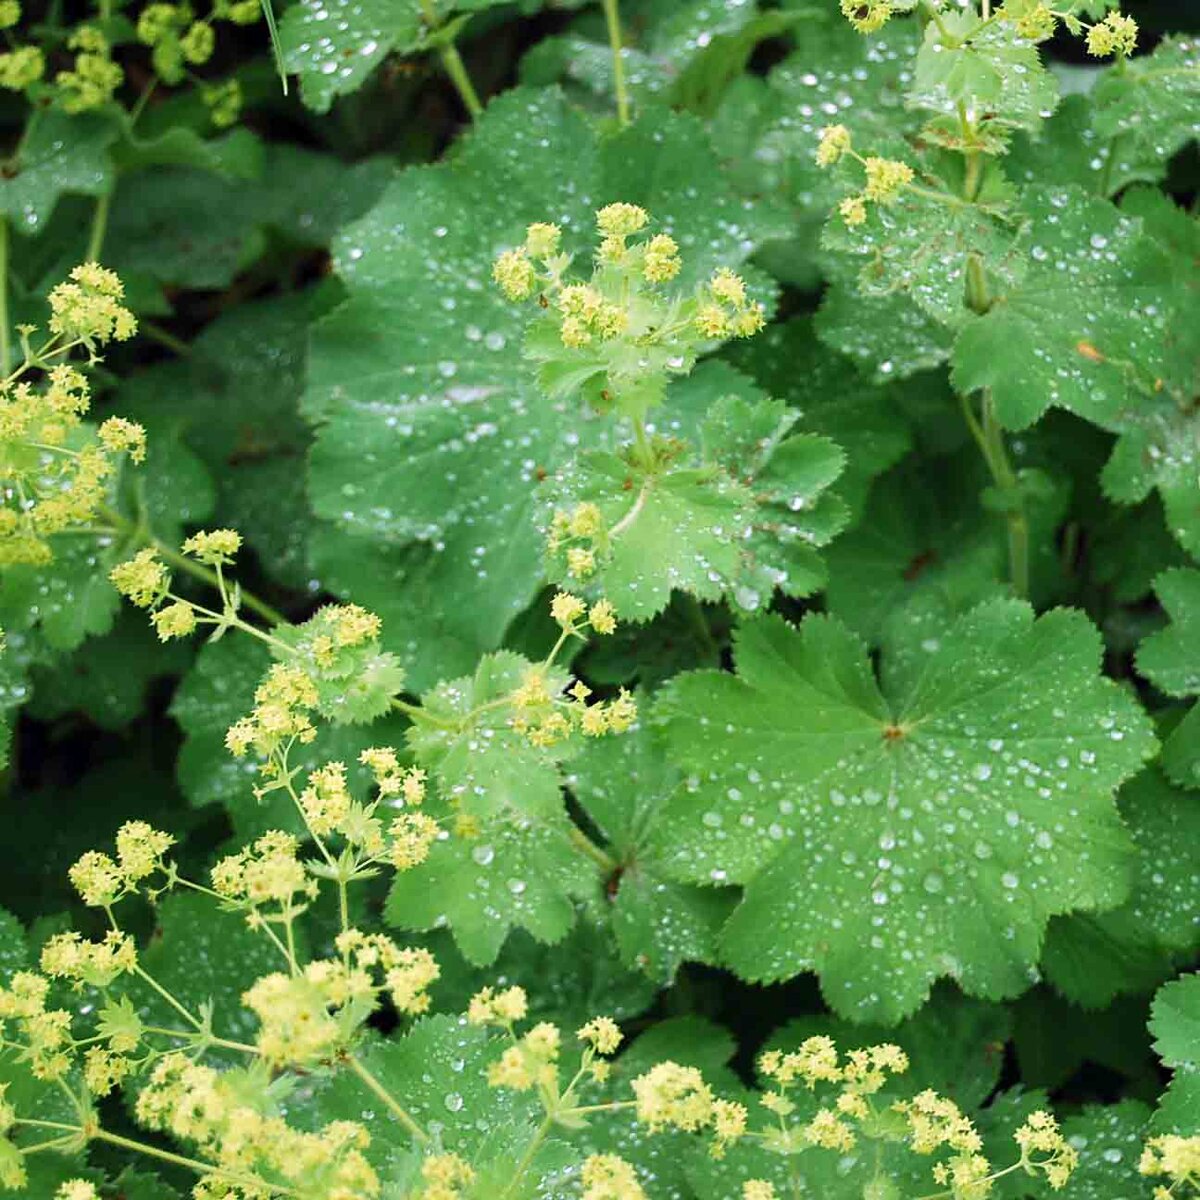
[[585, 845], [612, 18]]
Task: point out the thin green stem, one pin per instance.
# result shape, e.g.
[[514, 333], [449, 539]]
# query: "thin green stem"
[[5, 347], [190, 567], [389, 1101], [585, 845], [99, 227], [192, 1035], [191, 1164], [164, 337], [527, 1158], [162, 991], [612, 18], [457, 70]]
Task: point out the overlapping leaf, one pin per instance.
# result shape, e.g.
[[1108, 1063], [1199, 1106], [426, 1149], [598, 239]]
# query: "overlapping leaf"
[[888, 841], [1091, 957], [1084, 328], [432, 429], [623, 784], [747, 519]]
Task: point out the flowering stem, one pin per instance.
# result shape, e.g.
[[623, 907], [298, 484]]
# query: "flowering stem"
[[197, 570], [387, 1098], [612, 19], [5, 348], [162, 991], [990, 438], [531, 1150], [192, 1164], [194, 1035], [99, 227]]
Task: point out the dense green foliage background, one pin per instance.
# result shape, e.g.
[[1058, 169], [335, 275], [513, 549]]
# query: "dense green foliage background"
[[326, 366]]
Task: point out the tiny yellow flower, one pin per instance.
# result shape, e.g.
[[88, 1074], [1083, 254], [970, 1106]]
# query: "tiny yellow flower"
[[867, 16], [728, 287], [835, 141], [621, 220], [567, 609], [542, 240], [601, 1033], [661, 262], [580, 562], [603, 617], [712, 321], [885, 178], [1116, 34], [142, 579], [853, 210], [515, 274]]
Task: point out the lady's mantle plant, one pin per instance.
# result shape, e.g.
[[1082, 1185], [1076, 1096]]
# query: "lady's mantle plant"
[[747, 533]]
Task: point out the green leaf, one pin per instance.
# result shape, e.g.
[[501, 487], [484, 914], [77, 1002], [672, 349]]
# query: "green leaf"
[[1109, 1141], [767, 133], [994, 74], [919, 245], [433, 430], [480, 762], [1068, 149], [886, 842], [1149, 103], [1090, 957], [1053, 1039], [438, 1072], [106, 677], [623, 784], [1175, 1025], [674, 529], [1175, 1022], [334, 45], [60, 155], [887, 335], [834, 398], [1181, 751], [1084, 328], [744, 521], [14, 691], [520, 873], [921, 534], [1171, 657], [66, 600], [204, 956], [182, 226]]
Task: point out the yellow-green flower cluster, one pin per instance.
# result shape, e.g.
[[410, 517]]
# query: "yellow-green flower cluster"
[[1032, 20], [176, 40], [197, 1104], [867, 16], [43, 1034], [531, 1061], [1176, 1159], [885, 177], [223, 100], [77, 1189], [621, 300], [936, 1122], [609, 1177], [102, 880], [10, 13], [282, 703], [97, 964], [1116, 34], [443, 1176], [489, 1007], [547, 719], [268, 871], [1040, 1135], [215, 547], [22, 67], [95, 77], [726, 310], [673, 1096], [54, 485], [87, 309]]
